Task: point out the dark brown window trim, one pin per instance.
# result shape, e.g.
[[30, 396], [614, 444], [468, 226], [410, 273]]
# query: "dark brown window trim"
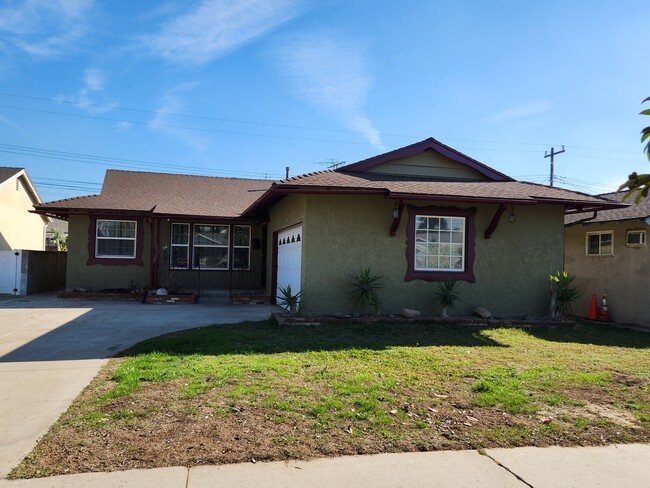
[[139, 242], [231, 255], [470, 238]]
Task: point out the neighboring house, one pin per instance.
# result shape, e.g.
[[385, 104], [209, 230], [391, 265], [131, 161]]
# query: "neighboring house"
[[416, 215], [56, 226], [20, 229], [608, 252]]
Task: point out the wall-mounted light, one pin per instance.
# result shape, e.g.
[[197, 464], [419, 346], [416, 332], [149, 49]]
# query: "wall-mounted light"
[[395, 211], [512, 218]]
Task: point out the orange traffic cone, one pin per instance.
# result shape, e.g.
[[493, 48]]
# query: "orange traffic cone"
[[603, 313], [593, 310]]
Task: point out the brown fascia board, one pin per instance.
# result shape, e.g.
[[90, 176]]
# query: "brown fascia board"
[[418, 147], [65, 213]]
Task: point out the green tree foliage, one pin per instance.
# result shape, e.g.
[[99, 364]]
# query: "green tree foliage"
[[636, 183]]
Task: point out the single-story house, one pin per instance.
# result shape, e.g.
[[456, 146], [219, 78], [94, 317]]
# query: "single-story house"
[[607, 251], [416, 215], [19, 228]]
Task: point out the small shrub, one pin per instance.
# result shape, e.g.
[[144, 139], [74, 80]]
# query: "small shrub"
[[288, 300], [447, 294], [566, 294], [365, 287]]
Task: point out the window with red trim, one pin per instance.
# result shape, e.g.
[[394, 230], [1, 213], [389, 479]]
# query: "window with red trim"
[[440, 243]]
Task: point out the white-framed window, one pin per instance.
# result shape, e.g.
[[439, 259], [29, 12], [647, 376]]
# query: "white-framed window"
[[241, 247], [600, 243], [635, 238], [210, 246], [439, 243], [115, 239], [179, 256]]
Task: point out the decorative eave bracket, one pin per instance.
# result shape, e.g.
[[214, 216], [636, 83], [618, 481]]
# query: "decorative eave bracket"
[[495, 221]]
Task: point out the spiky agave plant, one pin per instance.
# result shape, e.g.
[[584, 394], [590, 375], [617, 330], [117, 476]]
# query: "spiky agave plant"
[[447, 294]]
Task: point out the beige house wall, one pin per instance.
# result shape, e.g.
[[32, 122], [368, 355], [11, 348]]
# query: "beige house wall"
[[99, 276], [623, 276], [19, 229], [342, 234]]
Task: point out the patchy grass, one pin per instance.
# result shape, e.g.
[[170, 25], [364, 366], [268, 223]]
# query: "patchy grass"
[[262, 391]]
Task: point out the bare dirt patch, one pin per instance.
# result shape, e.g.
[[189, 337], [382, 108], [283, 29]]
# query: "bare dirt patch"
[[262, 392]]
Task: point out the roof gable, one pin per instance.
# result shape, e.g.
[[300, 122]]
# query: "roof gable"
[[430, 159]]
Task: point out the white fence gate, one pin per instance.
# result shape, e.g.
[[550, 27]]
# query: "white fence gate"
[[10, 272]]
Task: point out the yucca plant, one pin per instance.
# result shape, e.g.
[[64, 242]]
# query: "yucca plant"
[[447, 294], [288, 300], [566, 294], [365, 287]]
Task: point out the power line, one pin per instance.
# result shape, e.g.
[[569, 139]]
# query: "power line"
[[180, 127], [117, 162], [259, 123]]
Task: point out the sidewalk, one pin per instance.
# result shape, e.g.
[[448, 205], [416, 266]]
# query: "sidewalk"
[[621, 466]]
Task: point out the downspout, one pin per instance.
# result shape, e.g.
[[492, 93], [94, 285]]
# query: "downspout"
[[586, 218]]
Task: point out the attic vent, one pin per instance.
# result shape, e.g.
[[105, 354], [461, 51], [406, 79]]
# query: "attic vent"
[[17, 184]]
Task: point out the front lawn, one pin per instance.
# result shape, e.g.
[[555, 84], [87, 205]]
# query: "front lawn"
[[260, 391]]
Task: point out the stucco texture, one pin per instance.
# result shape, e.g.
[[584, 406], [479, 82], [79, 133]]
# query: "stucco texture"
[[622, 277], [19, 229], [100, 276], [343, 233]]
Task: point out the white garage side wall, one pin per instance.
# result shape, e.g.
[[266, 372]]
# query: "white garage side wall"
[[10, 272]]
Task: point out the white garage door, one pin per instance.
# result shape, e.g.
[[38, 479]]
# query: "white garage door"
[[289, 259]]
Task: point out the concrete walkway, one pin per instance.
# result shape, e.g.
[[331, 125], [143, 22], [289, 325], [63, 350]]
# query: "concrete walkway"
[[621, 466], [51, 348]]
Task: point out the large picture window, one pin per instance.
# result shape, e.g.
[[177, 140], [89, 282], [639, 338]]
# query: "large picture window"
[[179, 257], [210, 245], [440, 243], [115, 239]]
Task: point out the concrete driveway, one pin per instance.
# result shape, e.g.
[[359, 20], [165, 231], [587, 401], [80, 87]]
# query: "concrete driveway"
[[51, 348]]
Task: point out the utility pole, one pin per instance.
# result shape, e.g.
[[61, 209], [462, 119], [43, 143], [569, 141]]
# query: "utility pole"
[[552, 156]]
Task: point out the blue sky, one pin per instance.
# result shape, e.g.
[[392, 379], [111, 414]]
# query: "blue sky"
[[244, 88]]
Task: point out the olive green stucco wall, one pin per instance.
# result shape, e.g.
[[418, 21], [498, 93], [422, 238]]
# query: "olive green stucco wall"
[[288, 212], [343, 233], [622, 276], [98, 276]]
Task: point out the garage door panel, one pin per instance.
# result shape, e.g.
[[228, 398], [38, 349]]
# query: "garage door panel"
[[289, 259]]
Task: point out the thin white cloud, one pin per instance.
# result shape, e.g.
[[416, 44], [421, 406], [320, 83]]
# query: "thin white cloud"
[[44, 28], [11, 124], [172, 103], [94, 79], [330, 74], [216, 27], [522, 111], [93, 83]]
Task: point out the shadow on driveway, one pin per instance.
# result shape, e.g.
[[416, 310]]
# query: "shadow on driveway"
[[45, 328]]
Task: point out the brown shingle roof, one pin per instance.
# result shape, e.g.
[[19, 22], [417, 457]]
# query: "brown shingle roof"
[[168, 194], [6, 173], [489, 190], [633, 211]]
